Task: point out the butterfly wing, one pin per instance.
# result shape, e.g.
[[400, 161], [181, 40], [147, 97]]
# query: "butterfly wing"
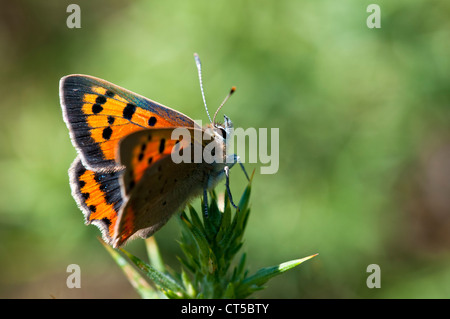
[[155, 186], [99, 114], [98, 195]]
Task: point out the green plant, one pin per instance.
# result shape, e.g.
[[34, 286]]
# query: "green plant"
[[209, 245]]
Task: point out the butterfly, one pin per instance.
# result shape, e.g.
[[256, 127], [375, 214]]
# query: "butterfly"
[[124, 178]]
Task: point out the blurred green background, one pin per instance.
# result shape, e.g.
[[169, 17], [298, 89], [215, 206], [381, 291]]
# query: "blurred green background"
[[364, 174]]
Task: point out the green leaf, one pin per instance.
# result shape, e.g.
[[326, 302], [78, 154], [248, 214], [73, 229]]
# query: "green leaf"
[[258, 279], [243, 203], [225, 219], [241, 267], [235, 231], [189, 265], [168, 284], [201, 242], [212, 221], [229, 292], [187, 283], [139, 283], [195, 218], [153, 254], [216, 215]]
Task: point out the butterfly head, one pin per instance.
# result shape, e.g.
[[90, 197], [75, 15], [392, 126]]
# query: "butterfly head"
[[222, 135], [223, 131]]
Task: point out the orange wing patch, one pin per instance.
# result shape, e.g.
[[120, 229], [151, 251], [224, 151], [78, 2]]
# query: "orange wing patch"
[[116, 106], [151, 149], [98, 195], [141, 150], [112, 118]]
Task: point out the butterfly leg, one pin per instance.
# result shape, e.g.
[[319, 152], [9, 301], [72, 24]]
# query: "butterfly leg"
[[236, 159], [227, 185], [205, 202]]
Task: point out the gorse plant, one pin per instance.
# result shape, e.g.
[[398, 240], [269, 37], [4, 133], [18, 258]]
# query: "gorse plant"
[[209, 244]]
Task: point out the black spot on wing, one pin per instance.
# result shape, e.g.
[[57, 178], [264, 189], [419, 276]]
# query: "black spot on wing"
[[162, 145], [100, 99], [152, 121], [107, 132], [128, 111], [97, 108]]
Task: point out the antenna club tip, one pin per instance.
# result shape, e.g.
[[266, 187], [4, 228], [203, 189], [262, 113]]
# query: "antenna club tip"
[[233, 88]]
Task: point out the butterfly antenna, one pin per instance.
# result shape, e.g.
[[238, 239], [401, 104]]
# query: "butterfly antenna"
[[199, 68], [224, 101]]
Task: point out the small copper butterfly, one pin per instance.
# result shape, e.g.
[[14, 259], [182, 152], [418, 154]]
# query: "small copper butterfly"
[[124, 179]]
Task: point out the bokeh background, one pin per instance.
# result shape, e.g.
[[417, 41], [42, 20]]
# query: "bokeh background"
[[364, 116]]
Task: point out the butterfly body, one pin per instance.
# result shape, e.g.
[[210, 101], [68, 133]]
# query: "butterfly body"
[[125, 179], [165, 187]]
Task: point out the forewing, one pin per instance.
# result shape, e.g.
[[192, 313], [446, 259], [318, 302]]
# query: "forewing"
[[99, 114]]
